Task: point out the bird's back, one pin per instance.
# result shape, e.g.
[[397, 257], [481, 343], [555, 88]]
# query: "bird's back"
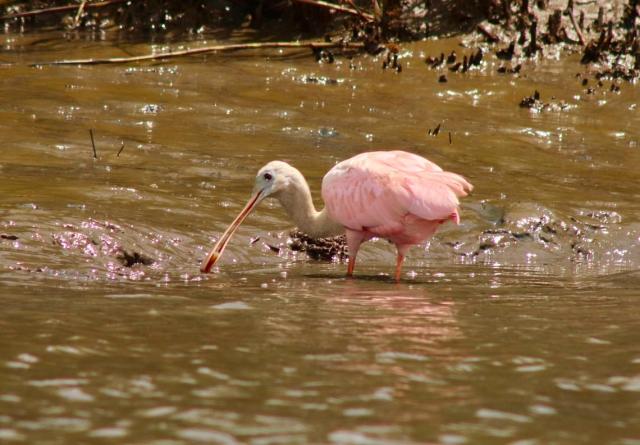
[[386, 192]]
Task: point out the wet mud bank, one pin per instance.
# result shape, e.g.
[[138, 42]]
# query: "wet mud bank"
[[605, 33]]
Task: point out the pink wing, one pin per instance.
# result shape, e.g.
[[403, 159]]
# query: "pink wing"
[[378, 189]]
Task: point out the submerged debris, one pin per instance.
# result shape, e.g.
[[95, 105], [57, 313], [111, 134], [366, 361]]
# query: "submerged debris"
[[532, 101], [323, 55], [468, 62], [391, 61], [435, 62], [535, 104], [321, 80], [274, 249], [435, 131]]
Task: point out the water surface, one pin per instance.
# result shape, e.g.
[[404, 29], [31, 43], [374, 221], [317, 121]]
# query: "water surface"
[[520, 326]]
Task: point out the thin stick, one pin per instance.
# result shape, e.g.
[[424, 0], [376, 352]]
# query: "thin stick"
[[93, 144], [575, 24], [76, 21], [203, 50], [327, 5], [59, 9], [362, 14], [120, 151]]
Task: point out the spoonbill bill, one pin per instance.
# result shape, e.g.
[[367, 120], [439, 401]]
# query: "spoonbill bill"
[[395, 195]]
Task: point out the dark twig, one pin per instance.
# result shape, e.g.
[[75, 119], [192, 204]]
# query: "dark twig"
[[204, 50], [327, 5], [93, 144], [362, 14], [120, 151], [59, 9], [575, 24]]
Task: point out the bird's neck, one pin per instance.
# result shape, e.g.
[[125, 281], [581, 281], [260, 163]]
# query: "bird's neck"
[[299, 205]]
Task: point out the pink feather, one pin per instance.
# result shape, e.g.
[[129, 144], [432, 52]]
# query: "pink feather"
[[380, 189]]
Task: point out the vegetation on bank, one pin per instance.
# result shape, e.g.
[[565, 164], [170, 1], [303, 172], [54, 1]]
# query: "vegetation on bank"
[[606, 32]]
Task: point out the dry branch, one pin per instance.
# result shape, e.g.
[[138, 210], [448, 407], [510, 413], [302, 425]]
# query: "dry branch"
[[359, 10], [583, 42], [59, 9], [76, 20], [204, 50], [345, 9]]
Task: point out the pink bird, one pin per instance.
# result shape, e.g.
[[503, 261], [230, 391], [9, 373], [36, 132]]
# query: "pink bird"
[[395, 195]]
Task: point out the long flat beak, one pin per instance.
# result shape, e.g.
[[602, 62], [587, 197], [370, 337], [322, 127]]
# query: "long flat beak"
[[217, 250]]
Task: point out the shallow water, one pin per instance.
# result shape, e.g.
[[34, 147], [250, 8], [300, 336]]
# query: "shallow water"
[[520, 326]]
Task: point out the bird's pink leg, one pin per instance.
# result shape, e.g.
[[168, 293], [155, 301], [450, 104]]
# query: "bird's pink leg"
[[399, 266], [351, 266], [402, 253], [354, 239]]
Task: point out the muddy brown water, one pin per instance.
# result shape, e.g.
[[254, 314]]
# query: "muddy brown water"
[[520, 326]]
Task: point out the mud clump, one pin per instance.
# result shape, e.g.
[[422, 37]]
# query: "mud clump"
[[574, 236], [131, 258], [323, 249], [535, 104]]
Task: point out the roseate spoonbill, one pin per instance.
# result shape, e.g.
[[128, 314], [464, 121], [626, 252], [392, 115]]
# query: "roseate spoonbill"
[[395, 195]]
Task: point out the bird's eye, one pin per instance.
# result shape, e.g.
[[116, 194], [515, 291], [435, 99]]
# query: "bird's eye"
[[267, 176]]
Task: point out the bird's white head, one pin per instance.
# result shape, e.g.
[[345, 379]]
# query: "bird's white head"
[[274, 178], [271, 180]]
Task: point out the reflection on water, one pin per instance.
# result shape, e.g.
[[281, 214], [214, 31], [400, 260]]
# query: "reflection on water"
[[312, 359], [520, 326]]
